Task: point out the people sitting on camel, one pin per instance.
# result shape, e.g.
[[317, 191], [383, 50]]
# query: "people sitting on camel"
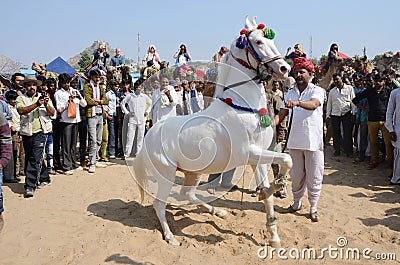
[[182, 56], [100, 59], [217, 58], [152, 56], [332, 55], [298, 52], [149, 70]]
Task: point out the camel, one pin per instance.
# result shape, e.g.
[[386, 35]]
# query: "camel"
[[326, 80], [387, 60]]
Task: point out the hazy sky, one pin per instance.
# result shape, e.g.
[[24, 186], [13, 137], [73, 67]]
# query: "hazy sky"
[[41, 30]]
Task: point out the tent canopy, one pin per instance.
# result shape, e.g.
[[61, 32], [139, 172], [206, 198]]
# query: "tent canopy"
[[60, 66]]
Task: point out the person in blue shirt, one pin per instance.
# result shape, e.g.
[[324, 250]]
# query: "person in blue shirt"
[[118, 59]]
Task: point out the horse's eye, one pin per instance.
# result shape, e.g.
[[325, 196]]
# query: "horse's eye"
[[259, 42]]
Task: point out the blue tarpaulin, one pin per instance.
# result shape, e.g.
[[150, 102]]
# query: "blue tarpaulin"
[[60, 66]]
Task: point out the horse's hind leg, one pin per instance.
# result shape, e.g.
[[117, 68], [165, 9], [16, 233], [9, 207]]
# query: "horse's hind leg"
[[188, 191], [164, 188], [261, 174]]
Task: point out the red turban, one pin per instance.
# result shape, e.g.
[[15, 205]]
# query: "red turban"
[[303, 63]]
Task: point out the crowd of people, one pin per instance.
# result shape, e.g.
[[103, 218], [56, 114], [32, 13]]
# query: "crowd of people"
[[80, 122]]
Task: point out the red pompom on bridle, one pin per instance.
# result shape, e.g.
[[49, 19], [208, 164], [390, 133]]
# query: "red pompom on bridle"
[[243, 32], [260, 26], [262, 111]]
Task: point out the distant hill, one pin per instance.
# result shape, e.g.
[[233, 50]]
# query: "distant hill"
[[8, 66], [73, 61]]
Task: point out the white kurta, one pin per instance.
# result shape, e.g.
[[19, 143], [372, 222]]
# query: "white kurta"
[[305, 146], [306, 130], [135, 108], [393, 125], [162, 108]]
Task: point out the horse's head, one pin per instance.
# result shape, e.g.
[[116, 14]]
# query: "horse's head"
[[255, 49]]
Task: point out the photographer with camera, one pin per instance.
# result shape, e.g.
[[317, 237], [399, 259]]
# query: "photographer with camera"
[[35, 111]]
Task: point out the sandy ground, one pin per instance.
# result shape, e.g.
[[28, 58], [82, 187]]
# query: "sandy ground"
[[96, 219]]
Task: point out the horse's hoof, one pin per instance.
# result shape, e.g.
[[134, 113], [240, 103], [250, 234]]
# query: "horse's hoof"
[[172, 241], [221, 213], [275, 244]]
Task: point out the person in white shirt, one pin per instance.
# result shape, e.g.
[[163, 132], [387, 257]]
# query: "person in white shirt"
[[164, 100], [393, 125], [65, 96], [18, 147], [305, 143], [136, 107], [111, 115], [340, 111]]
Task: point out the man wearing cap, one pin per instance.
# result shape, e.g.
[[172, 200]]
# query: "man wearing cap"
[[35, 123], [305, 143]]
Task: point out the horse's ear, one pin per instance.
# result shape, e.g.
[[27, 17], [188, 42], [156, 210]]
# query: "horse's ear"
[[248, 24]]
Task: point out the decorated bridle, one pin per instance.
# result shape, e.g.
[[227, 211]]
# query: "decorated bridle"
[[244, 43]]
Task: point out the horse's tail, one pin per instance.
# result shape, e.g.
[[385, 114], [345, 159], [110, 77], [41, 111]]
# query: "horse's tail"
[[140, 174]]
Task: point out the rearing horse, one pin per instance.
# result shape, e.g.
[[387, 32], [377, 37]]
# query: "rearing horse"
[[233, 131]]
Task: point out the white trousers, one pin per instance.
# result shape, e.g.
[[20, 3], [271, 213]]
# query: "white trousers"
[[307, 174], [132, 130], [396, 165]]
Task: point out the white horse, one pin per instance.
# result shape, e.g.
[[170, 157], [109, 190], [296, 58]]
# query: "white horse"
[[226, 135]]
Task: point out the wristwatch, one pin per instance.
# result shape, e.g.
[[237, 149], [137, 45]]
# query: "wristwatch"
[[299, 103]]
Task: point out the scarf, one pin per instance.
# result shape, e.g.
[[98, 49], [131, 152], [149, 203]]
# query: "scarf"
[[96, 95]]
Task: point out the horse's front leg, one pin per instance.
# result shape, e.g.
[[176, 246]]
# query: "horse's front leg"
[[259, 157]]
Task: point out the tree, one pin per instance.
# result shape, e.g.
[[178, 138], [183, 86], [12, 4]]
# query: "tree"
[[84, 61], [322, 59]]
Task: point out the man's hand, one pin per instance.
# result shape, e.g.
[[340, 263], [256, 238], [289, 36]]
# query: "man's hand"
[[40, 102], [393, 136], [109, 117], [13, 129], [290, 104], [328, 121]]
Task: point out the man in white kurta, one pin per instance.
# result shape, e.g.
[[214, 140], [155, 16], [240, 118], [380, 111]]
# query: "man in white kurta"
[[164, 102], [393, 125], [136, 107], [305, 143]]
